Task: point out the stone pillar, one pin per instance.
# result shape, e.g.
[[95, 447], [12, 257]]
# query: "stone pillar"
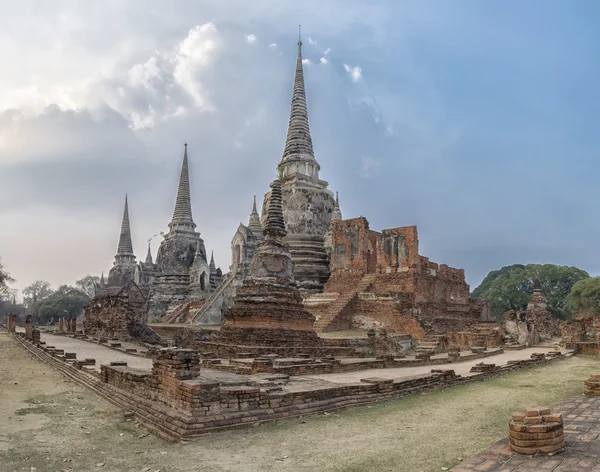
[[35, 336], [536, 431], [28, 328], [591, 387], [61, 325], [11, 323]]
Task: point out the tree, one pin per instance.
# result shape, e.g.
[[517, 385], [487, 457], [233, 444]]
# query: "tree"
[[40, 288], [584, 298], [510, 287], [5, 280], [65, 301], [87, 284]]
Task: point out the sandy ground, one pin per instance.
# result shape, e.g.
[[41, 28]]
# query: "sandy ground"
[[49, 424]]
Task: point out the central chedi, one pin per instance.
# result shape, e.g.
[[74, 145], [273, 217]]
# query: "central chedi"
[[307, 202], [268, 306]]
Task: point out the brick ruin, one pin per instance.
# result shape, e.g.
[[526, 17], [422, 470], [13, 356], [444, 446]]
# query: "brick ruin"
[[582, 334], [537, 431], [535, 324], [181, 398], [378, 279], [11, 322], [268, 315], [119, 314]]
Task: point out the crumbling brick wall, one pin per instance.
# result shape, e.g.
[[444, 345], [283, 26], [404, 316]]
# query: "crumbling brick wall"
[[120, 314], [390, 262]]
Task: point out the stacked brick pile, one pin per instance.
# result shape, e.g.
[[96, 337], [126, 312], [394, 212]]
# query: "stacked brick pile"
[[35, 336], [536, 431], [591, 387], [483, 367]]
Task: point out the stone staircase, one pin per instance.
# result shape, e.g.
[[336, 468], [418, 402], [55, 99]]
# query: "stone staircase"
[[213, 299], [175, 312], [331, 316], [432, 344]]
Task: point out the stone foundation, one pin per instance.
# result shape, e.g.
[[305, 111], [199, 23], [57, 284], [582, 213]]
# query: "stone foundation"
[[536, 432], [174, 406]]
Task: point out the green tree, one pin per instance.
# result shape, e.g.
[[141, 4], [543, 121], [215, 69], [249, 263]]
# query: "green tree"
[[40, 288], [584, 298], [5, 281], [87, 284], [64, 301], [510, 287]]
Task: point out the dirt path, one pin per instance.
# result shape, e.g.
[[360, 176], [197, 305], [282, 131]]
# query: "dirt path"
[[54, 425]]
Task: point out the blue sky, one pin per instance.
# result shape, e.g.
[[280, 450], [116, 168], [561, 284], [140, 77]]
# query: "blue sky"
[[473, 120]]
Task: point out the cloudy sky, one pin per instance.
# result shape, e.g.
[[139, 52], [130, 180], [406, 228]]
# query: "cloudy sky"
[[476, 121]]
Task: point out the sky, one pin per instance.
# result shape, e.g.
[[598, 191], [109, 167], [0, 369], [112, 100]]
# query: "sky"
[[475, 121]]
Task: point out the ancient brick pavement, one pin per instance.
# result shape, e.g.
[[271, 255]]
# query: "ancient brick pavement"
[[582, 445]]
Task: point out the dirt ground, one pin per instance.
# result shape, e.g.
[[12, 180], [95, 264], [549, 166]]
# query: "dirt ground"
[[50, 424]]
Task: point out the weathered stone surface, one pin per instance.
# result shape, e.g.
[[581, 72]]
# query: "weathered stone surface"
[[120, 315]]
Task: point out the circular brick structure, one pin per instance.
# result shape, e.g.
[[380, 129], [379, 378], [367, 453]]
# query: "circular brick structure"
[[591, 387], [536, 431]]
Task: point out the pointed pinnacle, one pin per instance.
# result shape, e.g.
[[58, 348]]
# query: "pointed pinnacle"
[[275, 225], [298, 144], [183, 204], [149, 255], [125, 246]]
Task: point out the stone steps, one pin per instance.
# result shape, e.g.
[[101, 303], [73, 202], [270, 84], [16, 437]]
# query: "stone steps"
[[335, 309]]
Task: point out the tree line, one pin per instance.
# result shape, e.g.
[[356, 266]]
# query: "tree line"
[[46, 303], [568, 290]]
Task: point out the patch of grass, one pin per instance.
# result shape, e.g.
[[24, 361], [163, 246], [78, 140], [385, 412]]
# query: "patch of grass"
[[38, 409]]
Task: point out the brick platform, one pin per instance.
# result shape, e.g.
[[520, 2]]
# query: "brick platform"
[[174, 404]]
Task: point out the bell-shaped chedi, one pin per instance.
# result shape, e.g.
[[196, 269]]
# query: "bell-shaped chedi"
[[269, 297]]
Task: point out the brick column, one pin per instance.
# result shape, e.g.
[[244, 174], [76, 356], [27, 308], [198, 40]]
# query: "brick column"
[[536, 431], [11, 324], [591, 387], [28, 328]]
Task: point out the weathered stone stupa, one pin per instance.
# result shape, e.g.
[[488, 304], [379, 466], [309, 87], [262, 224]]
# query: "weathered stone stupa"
[[123, 270], [181, 272], [268, 306], [307, 202]]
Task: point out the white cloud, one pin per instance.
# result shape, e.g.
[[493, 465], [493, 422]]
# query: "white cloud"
[[355, 72], [311, 41], [327, 51], [370, 166], [306, 61], [273, 46], [251, 38], [324, 60]]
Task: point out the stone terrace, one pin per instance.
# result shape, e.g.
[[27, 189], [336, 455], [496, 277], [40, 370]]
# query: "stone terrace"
[[582, 447]]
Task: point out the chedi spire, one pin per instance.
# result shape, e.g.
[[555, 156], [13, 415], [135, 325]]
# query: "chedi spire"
[[125, 247], [275, 225], [336, 215], [149, 255], [182, 215], [254, 220], [298, 144]]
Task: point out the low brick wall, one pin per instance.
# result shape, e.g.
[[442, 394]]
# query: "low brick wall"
[[174, 406]]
